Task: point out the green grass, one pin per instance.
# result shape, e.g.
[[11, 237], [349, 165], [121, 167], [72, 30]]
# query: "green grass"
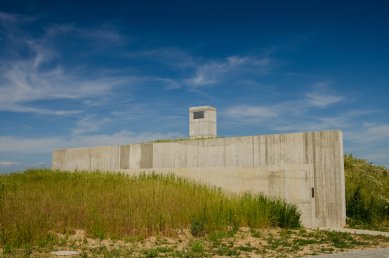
[[36, 204], [367, 194], [183, 139]]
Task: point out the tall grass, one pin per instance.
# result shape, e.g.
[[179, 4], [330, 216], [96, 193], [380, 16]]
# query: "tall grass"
[[367, 194], [106, 205]]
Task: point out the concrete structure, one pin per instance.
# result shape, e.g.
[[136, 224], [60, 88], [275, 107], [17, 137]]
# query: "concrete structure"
[[302, 168], [202, 122]]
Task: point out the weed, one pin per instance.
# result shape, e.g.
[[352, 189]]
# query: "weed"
[[327, 250], [285, 233], [197, 227], [303, 241], [197, 246], [151, 253], [245, 248], [256, 233], [84, 255], [216, 238], [339, 239], [225, 251]]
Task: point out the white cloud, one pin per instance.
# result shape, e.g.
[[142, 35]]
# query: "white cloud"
[[370, 133], [23, 81], [90, 124], [323, 100], [11, 19], [252, 113], [215, 72], [7, 163], [37, 73], [369, 141], [380, 131], [295, 115], [311, 124], [321, 96], [58, 29], [6, 17], [103, 32]]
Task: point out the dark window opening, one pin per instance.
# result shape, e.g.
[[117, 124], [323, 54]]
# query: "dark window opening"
[[198, 114]]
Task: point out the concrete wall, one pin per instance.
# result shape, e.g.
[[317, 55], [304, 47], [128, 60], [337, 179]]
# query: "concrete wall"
[[303, 168]]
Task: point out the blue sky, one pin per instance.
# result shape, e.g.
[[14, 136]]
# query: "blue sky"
[[85, 73]]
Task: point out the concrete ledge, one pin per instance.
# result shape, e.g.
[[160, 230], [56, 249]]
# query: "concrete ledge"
[[357, 231]]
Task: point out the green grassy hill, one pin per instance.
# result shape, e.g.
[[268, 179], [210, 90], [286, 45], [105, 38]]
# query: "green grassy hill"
[[106, 205], [367, 194]]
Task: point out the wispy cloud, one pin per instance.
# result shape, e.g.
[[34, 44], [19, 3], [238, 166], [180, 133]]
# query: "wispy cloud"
[[7, 163], [104, 32], [58, 29], [6, 17], [13, 124], [371, 133], [323, 100], [380, 130], [24, 81], [251, 113], [294, 114], [38, 75], [216, 71], [318, 98], [90, 124], [173, 57], [11, 18], [370, 141], [321, 96]]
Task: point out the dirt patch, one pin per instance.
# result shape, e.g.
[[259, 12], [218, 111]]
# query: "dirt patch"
[[240, 243]]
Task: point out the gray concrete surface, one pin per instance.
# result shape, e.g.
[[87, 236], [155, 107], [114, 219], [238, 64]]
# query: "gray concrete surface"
[[65, 253], [373, 253], [358, 231], [204, 126], [302, 168]]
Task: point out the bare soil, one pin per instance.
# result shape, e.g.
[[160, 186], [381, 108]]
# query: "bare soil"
[[244, 242]]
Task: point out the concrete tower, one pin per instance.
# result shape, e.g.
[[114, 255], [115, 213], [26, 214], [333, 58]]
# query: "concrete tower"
[[202, 122]]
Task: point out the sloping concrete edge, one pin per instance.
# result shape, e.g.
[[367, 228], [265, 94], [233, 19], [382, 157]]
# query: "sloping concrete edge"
[[357, 231]]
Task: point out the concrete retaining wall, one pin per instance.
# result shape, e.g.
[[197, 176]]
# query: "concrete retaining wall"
[[303, 168]]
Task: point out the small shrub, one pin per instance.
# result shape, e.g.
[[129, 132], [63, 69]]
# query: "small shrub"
[[357, 209], [339, 239], [225, 251], [197, 246], [197, 227], [151, 253]]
